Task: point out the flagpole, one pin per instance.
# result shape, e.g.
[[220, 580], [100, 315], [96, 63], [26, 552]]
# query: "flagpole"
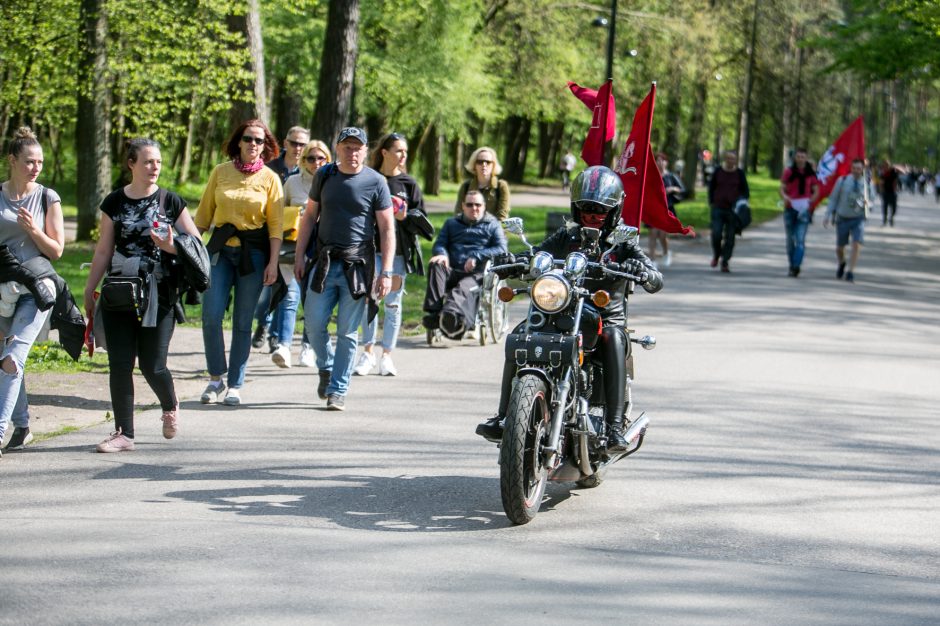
[[646, 156], [604, 160]]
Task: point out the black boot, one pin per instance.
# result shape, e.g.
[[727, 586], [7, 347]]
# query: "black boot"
[[257, 339], [491, 429], [324, 383], [616, 442]]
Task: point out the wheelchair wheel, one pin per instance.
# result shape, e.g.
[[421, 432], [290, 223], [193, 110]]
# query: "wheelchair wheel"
[[482, 334], [498, 314]]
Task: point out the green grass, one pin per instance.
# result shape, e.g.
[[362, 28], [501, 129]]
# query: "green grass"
[[49, 356]]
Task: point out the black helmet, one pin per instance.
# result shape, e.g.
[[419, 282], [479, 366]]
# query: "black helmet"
[[597, 191]]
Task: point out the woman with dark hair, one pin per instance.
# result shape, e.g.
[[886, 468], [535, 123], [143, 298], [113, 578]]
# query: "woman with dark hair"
[[390, 159], [484, 170], [133, 221], [31, 234], [799, 189], [243, 204]]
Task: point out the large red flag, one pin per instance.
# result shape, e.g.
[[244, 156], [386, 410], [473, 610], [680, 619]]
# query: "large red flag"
[[837, 161], [604, 116], [642, 183]]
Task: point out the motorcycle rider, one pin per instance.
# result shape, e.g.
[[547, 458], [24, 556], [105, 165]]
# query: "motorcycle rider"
[[596, 201]]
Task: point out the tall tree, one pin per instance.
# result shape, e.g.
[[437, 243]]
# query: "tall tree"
[[92, 127], [337, 69], [251, 99]]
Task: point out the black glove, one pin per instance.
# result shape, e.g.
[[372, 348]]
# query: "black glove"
[[504, 258], [632, 266]]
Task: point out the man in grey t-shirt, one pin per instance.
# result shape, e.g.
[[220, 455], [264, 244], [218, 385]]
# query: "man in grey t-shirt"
[[349, 201]]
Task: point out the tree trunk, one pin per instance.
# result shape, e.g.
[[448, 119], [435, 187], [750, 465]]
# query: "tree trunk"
[[187, 153], [456, 151], [693, 140], [250, 100], [673, 117], [544, 148], [554, 152], [288, 105], [433, 148], [92, 126], [745, 122], [517, 145], [337, 70]]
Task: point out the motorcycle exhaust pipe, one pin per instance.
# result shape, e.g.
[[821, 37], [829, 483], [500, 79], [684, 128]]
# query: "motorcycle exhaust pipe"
[[635, 433]]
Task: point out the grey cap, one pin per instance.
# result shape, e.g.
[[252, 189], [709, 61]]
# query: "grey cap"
[[352, 132]]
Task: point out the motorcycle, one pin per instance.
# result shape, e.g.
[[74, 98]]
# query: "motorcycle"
[[555, 427]]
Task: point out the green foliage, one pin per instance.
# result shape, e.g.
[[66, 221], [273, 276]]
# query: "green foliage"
[[49, 356]]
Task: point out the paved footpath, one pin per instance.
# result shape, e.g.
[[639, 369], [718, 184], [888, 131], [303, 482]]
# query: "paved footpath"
[[790, 476]]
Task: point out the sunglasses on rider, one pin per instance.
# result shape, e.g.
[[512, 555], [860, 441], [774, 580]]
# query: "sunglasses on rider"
[[258, 141]]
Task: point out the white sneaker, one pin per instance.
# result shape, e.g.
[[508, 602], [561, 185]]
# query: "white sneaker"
[[213, 392], [281, 356], [365, 364], [472, 333], [307, 357], [667, 260], [386, 366], [233, 397]]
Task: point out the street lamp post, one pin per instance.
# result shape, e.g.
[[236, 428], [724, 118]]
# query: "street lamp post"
[[611, 26]]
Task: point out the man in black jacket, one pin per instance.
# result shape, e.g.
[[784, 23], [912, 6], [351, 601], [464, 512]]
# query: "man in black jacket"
[[596, 201], [727, 186]]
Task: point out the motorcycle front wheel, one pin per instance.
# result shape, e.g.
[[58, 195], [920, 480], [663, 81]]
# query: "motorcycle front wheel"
[[522, 470]]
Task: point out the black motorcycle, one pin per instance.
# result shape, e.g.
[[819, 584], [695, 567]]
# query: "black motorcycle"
[[555, 428]]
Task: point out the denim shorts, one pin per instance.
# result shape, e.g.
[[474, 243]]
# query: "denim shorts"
[[854, 226]]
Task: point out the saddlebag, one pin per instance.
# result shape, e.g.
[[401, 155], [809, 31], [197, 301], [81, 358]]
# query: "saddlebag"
[[555, 350]]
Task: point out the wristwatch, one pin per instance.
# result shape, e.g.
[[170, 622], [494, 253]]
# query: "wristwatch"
[[385, 274]]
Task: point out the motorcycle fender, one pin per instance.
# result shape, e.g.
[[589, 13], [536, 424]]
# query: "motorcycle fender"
[[535, 371]]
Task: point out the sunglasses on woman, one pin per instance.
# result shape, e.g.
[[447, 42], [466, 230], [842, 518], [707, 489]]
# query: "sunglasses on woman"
[[484, 162], [314, 159], [258, 141]]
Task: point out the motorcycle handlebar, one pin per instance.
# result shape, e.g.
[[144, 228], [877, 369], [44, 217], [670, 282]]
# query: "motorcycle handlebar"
[[591, 265]]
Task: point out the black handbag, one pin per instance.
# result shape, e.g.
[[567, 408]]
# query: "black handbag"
[[122, 293]]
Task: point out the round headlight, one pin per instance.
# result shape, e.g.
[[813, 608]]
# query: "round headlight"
[[550, 293]]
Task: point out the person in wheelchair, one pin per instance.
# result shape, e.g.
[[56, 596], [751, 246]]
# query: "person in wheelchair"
[[455, 271], [596, 201]]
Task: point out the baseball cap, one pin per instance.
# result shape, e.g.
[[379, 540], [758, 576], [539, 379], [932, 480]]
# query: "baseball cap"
[[352, 132]]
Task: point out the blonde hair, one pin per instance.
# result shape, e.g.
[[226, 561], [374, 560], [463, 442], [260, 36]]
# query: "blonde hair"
[[472, 161], [316, 144], [23, 137]]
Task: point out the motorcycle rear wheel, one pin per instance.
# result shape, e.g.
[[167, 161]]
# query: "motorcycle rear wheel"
[[522, 470]]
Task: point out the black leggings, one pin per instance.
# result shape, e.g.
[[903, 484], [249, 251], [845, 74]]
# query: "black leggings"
[[129, 341]]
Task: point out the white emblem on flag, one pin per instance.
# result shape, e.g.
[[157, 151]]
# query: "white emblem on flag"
[[622, 165], [828, 164]]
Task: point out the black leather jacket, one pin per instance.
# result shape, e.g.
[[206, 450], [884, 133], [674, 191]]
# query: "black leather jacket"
[[568, 239]]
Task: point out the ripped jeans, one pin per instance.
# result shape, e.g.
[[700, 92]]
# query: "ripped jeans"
[[392, 321], [19, 332]]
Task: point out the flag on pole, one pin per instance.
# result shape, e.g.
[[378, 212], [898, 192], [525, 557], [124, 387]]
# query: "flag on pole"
[[837, 161], [642, 183], [592, 152]]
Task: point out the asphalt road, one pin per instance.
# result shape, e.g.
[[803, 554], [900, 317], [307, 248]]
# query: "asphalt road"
[[790, 475]]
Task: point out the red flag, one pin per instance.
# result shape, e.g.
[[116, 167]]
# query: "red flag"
[[837, 161], [642, 183], [592, 152]]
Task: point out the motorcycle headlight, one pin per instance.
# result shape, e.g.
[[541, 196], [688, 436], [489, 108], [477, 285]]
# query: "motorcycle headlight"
[[550, 293]]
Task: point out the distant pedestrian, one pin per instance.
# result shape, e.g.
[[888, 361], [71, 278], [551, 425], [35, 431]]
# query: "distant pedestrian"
[[848, 209], [484, 170], [888, 186], [799, 189], [284, 318], [675, 192], [286, 165], [727, 186], [31, 234], [567, 166], [243, 204], [936, 186], [390, 159], [126, 236], [348, 201]]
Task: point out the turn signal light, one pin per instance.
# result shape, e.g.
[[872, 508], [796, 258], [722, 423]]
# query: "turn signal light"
[[506, 294], [601, 298]]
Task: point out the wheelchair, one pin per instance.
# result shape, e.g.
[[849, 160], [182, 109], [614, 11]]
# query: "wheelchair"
[[492, 314]]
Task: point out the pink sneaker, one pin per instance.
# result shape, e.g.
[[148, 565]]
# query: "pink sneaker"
[[116, 443], [170, 426]]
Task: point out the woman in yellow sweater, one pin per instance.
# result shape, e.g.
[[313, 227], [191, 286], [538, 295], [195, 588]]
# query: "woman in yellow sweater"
[[243, 204]]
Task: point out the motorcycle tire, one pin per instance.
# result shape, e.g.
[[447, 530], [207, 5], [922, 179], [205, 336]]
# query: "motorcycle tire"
[[522, 470]]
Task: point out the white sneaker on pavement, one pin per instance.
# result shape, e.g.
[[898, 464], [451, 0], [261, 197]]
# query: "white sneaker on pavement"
[[307, 357], [365, 364], [281, 356], [213, 392], [667, 260], [386, 366], [233, 397]]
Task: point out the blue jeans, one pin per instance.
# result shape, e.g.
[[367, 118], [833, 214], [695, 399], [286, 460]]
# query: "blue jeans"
[[796, 224], [224, 277], [19, 332], [318, 310], [392, 322]]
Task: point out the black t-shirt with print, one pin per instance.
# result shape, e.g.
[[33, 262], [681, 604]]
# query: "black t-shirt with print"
[[133, 219]]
